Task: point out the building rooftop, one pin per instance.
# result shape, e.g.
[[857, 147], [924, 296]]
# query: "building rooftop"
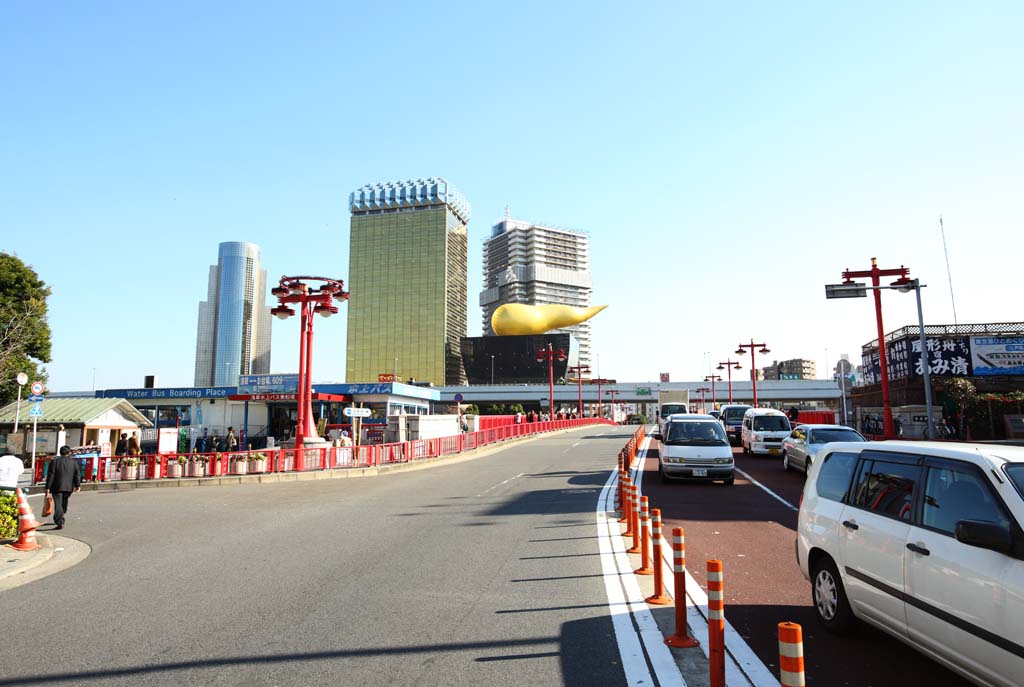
[[395, 195]]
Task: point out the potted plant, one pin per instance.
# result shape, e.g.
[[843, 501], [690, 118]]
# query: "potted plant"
[[176, 466], [130, 467], [239, 464], [257, 462], [197, 465]]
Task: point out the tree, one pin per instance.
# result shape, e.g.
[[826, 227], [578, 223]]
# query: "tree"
[[24, 331]]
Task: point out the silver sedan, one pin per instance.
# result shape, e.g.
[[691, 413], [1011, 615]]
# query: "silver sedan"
[[803, 442]]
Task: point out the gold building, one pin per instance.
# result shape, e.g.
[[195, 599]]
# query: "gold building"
[[407, 275]]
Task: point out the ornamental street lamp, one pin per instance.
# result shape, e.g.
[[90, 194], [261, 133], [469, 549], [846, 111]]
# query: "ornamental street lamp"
[[599, 381], [579, 370], [713, 379], [550, 354], [753, 369], [729, 365], [703, 401], [612, 393], [311, 300], [850, 289]]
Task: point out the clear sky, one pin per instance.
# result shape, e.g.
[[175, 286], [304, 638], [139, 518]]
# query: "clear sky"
[[726, 162]]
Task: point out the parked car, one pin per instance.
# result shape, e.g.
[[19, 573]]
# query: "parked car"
[[714, 413], [804, 441], [695, 446], [763, 431], [731, 417], [922, 540]]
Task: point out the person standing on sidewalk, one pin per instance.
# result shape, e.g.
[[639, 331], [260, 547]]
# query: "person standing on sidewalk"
[[62, 478], [11, 469]]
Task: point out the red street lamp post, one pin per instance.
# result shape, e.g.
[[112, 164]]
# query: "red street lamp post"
[[703, 400], [729, 365], [311, 300], [612, 393], [579, 370], [550, 354], [599, 381], [753, 368], [875, 274], [713, 379]]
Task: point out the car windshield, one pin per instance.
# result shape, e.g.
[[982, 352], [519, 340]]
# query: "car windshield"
[[695, 434], [672, 408], [734, 415], [824, 436], [1015, 471], [771, 423]]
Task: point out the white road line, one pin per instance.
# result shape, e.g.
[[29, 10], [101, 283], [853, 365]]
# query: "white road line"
[[768, 491], [623, 589], [743, 668], [499, 484]]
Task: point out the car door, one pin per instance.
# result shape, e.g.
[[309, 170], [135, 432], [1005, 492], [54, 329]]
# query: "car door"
[[961, 599], [874, 527], [793, 446]]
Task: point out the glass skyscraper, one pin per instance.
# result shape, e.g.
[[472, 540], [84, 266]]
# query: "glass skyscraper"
[[537, 265], [233, 336], [407, 273]]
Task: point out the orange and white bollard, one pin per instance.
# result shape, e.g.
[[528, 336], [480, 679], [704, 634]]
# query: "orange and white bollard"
[[716, 623], [645, 539], [635, 524], [627, 507], [791, 655], [680, 640], [27, 525], [659, 598]]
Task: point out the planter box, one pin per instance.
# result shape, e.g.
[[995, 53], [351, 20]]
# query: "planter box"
[[196, 469], [239, 467], [130, 472], [258, 465], [175, 469]]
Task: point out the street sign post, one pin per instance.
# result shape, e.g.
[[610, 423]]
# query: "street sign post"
[[37, 388], [851, 290], [36, 410], [357, 412]]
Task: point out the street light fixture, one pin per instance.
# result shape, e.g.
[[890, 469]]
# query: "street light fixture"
[[753, 365], [579, 370], [311, 300], [729, 365], [612, 393], [703, 400], [599, 381], [713, 379], [550, 354]]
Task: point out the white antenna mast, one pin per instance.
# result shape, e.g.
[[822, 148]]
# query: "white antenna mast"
[[949, 275]]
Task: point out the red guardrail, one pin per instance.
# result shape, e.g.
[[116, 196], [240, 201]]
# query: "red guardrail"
[[177, 466]]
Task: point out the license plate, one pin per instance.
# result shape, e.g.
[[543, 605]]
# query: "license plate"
[[773, 451], [700, 472]]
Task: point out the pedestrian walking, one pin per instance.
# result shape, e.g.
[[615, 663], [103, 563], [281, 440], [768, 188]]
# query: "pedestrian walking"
[[62, 478], [232, 441], [11, 468], [134, 449], [121, 449]]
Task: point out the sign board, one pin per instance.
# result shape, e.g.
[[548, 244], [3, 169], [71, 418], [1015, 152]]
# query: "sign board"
[[34, 399], [998, 355], [179, 392], [357, 412], [663, 376], [458, 398], [643, 391], [37, 388], [105, 449], [36, 410], [167, 440], [268, 384], [853, 290], [386, 377]]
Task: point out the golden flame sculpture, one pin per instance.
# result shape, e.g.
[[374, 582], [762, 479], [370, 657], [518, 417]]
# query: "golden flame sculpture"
[[516, 319]]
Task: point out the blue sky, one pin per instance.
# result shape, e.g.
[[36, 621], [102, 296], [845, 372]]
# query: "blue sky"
[[726, 162]]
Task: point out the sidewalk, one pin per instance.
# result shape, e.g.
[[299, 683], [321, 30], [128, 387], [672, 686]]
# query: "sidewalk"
[[56, 554]]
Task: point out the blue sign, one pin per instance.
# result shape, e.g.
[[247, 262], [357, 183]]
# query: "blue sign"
[[458, 398], [180, 392], [34, 398], [268, 384], [36, 411]]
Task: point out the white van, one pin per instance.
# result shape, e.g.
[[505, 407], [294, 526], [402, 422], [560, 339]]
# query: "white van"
[[763, 431], [695, 447]]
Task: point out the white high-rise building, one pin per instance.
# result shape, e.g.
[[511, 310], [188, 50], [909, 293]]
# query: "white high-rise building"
[[537, 265], [233, 336]]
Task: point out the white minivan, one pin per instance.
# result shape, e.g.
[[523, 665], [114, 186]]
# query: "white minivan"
[[763, 431], [695, 447], [923, 540]]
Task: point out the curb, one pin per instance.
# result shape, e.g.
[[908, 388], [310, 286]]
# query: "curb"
[[58, 553]]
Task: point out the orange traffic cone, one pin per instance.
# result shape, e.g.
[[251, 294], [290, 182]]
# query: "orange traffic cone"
[[27, 525]]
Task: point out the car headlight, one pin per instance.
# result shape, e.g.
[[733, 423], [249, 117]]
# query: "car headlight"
[[723, 461], [758, 437]]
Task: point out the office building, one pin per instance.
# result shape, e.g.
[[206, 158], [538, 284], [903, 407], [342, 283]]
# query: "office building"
[[797, 368], [408, 268], [233, 336], [537, 265]]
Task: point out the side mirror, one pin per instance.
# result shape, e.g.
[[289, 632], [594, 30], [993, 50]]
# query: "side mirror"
[[985, 535], [656, 435]]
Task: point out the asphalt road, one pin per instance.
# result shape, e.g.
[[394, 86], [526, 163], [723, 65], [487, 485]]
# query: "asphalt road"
[[754, 534], [481, 572]]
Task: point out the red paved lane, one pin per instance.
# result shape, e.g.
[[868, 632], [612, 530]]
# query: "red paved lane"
[[754, 534]]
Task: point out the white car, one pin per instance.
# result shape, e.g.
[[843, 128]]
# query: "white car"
[[695, 447], [923, 540], [763, 431], [804, 441]]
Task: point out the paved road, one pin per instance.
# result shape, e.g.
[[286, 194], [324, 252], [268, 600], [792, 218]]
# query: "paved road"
[[481, 572], [753, 534]]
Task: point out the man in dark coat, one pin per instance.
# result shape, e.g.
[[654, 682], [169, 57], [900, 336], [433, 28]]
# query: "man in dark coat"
[[121, 449], [62, 478]]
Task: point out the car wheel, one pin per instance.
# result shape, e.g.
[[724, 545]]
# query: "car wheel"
[[661, 473], [807, 466], [829, 598], [785, 462]]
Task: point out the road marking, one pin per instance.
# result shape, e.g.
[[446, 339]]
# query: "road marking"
[[743, 666], [626, 605], [768, 491], [499, 484]]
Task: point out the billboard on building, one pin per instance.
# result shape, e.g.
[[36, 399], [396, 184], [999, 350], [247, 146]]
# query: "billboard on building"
[[952, 351], [664, 377], [998, 355]]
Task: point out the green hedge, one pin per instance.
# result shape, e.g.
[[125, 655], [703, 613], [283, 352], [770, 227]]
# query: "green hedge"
[[8, 515]]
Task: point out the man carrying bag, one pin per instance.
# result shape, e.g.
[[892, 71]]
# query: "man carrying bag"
[[63, 478]]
